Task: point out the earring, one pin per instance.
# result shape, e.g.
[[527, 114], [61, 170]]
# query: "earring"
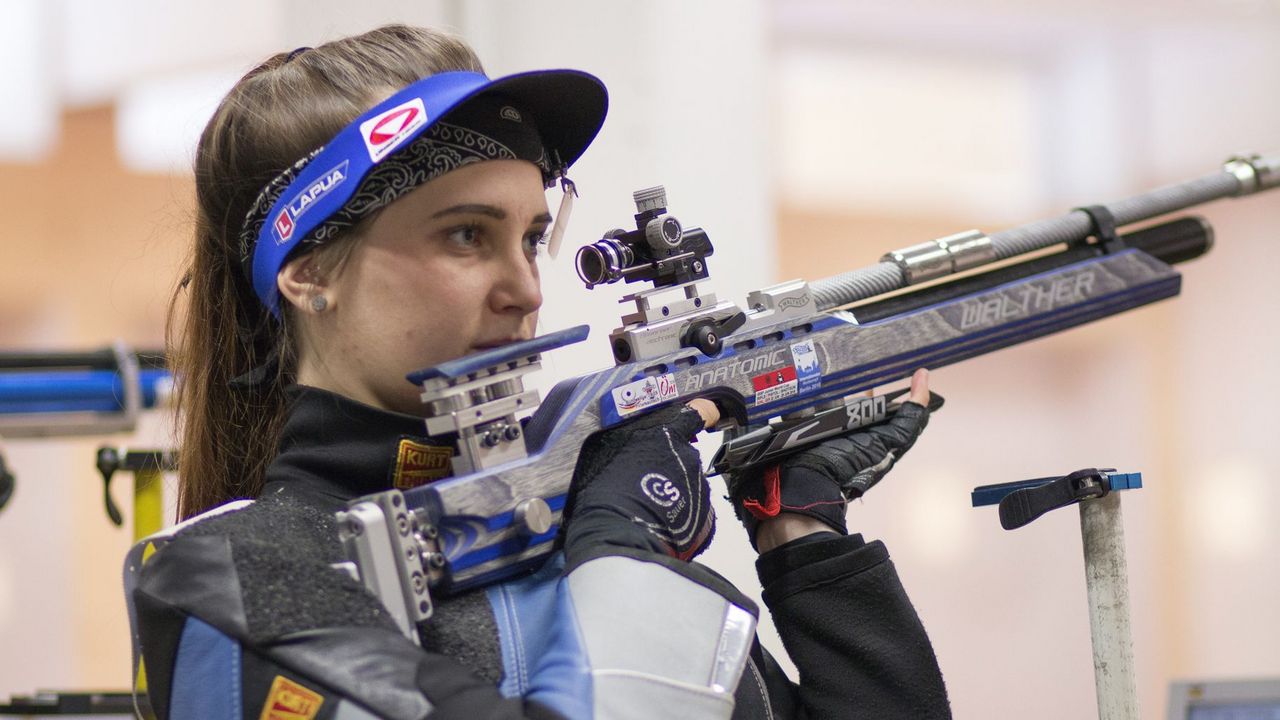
[[319, 303]]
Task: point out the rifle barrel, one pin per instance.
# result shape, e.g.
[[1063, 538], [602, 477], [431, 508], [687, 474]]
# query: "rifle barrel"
[[1239, 177], [1173, 241]]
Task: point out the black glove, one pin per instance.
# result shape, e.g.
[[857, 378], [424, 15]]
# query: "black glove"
[[641, 485], [820, 481]]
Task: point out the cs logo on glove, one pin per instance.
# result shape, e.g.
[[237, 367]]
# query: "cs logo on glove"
[[660, 490]]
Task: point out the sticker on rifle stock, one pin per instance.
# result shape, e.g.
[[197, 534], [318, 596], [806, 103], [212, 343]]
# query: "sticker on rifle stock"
[[287, 700], [645, 392], [775, 385], [418, 464], [808, 370]]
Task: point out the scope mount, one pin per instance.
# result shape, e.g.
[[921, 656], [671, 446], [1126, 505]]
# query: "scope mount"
[[673, 259], [660, 327]]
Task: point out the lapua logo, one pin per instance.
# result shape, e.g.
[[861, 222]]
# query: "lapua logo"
[[287, 219], [284, 226], [387, 130]]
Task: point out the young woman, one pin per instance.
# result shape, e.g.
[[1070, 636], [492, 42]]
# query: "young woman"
[[374, 206]]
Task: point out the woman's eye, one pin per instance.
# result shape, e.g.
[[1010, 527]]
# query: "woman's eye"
[[465, 236], [534, 241]]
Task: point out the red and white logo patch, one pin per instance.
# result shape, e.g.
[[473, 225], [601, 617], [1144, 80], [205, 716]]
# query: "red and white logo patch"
[[284, 225], [775, 385], [388, 130], [773, 378]]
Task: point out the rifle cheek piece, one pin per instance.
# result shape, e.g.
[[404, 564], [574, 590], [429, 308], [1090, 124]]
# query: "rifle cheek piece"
[[1254, 172], [944, 256]]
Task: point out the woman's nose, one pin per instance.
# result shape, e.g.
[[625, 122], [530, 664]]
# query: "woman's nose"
[[517, 287]]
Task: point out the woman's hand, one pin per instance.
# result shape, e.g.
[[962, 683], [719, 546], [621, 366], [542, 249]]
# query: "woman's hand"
[[707, 409], [809, 491], [640, 485]]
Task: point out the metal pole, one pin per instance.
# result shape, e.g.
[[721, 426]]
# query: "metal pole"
[[1107, 578]]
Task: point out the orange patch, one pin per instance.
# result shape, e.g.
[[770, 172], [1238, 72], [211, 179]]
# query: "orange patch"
[[418, 464], [288, 700]]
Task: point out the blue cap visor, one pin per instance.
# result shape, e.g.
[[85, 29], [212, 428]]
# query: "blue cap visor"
[[568, 106]]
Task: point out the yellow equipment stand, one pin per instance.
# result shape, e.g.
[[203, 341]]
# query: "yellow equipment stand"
[[148, 468], [148, 502]]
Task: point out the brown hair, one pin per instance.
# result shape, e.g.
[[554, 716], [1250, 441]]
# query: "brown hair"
[[275, 115]]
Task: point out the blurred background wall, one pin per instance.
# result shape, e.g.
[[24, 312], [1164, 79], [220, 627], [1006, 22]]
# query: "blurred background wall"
[[808, 138]]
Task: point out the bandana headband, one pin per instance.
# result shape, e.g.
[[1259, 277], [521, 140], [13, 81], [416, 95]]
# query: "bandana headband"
[[394, 147]]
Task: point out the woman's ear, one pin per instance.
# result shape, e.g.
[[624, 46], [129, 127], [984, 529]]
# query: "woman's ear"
[[303, 286]]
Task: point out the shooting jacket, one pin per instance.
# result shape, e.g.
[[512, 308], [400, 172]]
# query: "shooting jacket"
[[241, 615]]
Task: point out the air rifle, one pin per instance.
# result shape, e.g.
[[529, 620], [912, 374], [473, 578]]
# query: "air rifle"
[[786, 369]]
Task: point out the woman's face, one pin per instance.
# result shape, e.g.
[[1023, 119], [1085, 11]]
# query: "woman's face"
[[447, 270]]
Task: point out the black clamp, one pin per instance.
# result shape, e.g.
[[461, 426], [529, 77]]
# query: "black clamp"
[[707, 334], [110, 459], [6, 483], [1024, 501], [1102, 226]]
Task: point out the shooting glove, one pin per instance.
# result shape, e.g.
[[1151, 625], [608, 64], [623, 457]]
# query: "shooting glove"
[[821, 480], [641, 485]]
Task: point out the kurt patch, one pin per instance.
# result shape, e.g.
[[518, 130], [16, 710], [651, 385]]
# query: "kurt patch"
[[418, 464], [287, 700]]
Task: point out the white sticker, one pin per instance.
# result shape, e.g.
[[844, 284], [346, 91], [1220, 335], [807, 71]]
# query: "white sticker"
[[388, 130], [808, 370], [644, 393], [777, 392], [775, 385]]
